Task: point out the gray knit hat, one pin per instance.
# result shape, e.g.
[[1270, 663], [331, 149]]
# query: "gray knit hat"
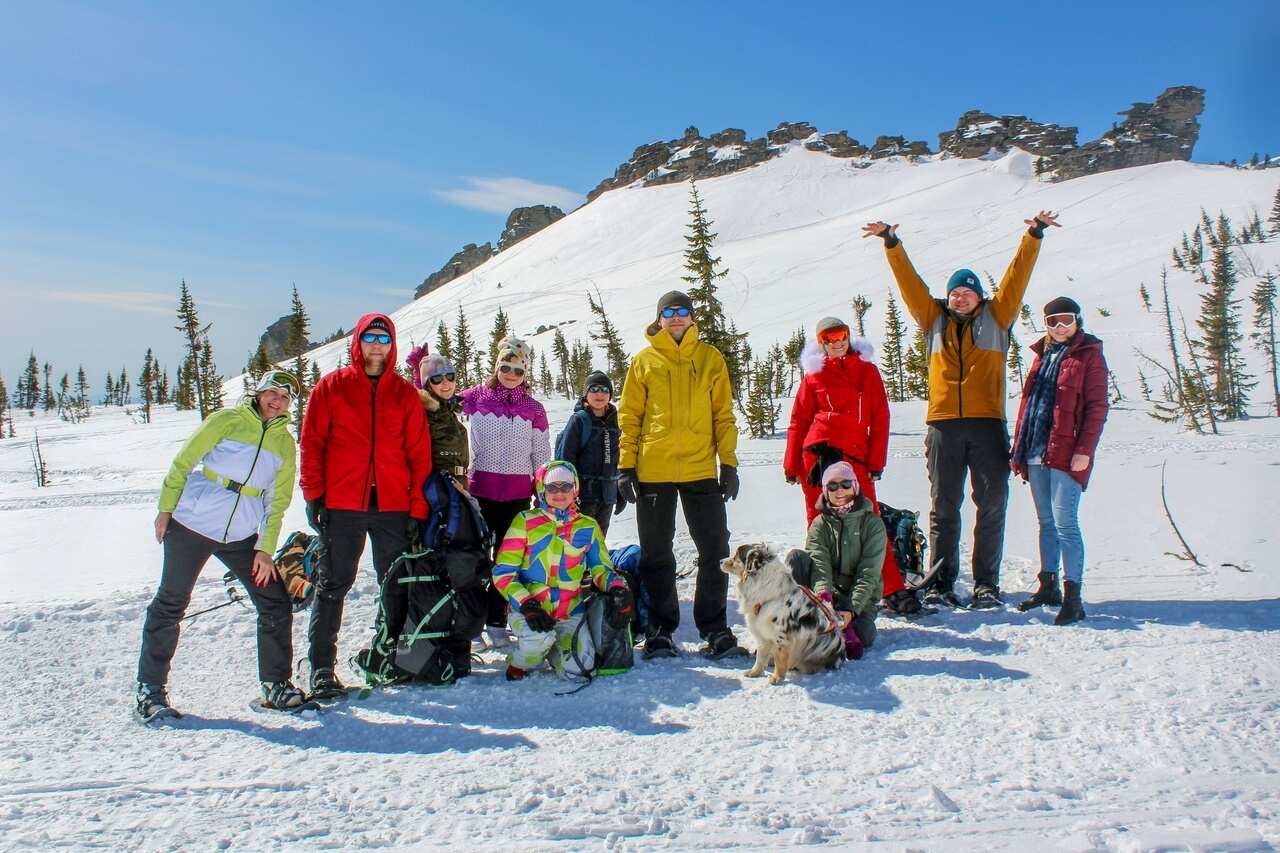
[[826, 324]]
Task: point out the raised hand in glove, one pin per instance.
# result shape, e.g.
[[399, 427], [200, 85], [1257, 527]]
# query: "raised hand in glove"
[[627, 486], [621, 607], [538, 619], [317, 515], [413, 531], [728, 482]]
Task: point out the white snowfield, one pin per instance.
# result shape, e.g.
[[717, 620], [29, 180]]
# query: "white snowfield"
[[1151, 726]]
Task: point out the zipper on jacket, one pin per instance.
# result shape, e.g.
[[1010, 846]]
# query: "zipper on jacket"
[[252, 465], [960, 356], [371, 475]]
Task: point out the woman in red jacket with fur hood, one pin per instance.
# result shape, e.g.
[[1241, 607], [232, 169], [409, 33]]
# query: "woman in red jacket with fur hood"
[[841, 412]]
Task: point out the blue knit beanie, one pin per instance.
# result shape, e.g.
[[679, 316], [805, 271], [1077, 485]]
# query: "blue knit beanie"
[[965, 278]]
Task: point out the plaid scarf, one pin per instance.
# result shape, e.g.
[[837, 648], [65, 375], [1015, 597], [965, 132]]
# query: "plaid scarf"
[[1033, 441]]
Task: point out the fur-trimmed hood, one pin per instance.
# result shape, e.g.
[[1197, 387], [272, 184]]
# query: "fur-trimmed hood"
[[813, 357]]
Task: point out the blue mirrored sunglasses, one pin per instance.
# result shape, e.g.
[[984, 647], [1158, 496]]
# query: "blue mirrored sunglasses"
[[675, 311], [375, 338]]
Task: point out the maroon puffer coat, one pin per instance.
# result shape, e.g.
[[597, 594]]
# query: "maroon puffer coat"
[[1080, 405]]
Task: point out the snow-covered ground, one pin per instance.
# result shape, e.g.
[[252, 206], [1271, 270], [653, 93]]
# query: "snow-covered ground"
[[1151, 726]]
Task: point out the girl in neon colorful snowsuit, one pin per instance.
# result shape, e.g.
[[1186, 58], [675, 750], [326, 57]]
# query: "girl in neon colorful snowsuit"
[[231, 508], [547, 555], [510, 441]]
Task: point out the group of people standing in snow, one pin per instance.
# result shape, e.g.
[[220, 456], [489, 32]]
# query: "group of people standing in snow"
[[370, 439]]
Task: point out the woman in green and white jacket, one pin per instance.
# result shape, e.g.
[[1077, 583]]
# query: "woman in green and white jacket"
[[230, 507]]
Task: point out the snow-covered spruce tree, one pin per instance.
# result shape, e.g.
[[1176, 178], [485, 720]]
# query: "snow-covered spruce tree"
[[606, 336], [1274, 219], [1264, 324], [146, 390], [210, 376], [915, 365], [891, 360], [704, 271], [501, 328], [47, 400], [464, 348], [193, 334], [296, 341], [30, 396], [1219, 326], [560, 349], [861, 305]]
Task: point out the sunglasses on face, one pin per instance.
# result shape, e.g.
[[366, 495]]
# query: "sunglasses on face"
[[837, 485], [675, 311], [558, 488], [375, 338], [598, 389], [514, 371], [834, 336], [1064, 321], [437, 378]]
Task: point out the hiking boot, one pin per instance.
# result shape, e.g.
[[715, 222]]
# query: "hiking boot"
[[325, 684], [659, 645], [722, 644], [151, 701], [903, 602], [1072, 607], [282, 696], [985, 598], [1048, 593], [515, 673], [941, 597]]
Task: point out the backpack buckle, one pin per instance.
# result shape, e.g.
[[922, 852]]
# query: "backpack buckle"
[[234, 486]]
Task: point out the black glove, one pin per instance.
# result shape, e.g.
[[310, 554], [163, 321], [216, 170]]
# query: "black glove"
[[621, 607], [627, 486], [538, 619], [876, 475], [317, 515], [791, 481], [1037, 230], [728, 482], [620, 505], [413, 531]]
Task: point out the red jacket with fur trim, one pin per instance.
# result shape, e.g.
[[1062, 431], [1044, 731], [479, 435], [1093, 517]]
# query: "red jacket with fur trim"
[[841, 403], [358, 434]]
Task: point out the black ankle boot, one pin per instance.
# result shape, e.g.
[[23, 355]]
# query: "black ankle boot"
[[1072, 607], [1048, 593]]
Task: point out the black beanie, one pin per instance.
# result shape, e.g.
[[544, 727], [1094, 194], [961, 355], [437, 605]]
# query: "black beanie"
[[598, 377], [1062, 305], [674, 299], [378, 323]]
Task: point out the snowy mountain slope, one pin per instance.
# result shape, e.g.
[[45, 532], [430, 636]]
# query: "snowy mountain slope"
[[789, 232]]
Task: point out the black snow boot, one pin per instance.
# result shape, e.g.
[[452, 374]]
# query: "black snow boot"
[[282, 696], [325, 684], [152, 702], [903, 602], [1072, 607], [985, 598], [1048, 593]]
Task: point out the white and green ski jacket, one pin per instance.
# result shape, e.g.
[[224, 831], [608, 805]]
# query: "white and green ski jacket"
[[245, 482]]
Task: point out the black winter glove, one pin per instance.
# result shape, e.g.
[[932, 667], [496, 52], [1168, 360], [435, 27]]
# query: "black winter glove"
[[627, 486], [317, 515], [876, 475], [538, 619], [621, 607], [791, 481], [1037, 230], [728, 483], [413, 532]]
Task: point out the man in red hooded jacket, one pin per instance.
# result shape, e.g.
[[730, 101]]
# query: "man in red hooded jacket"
[[366, 452]]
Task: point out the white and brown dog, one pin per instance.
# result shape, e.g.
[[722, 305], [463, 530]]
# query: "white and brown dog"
[[791, 625]]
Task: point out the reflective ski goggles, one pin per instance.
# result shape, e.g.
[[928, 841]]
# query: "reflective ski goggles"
[[837, 485], [558, 488], [833, 336], [514, 371], [599, 389], [375, 338], [675, 311], [437, 378], [1064, 321], [277, 380]]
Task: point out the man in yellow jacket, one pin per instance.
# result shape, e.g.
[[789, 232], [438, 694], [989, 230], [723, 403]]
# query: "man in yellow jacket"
[[676, 415], [967, 341]]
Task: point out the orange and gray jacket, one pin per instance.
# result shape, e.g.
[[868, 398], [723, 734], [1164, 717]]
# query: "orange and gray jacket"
[[966, 359]]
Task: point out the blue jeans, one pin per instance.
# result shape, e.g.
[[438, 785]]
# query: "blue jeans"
[[1057, 497]]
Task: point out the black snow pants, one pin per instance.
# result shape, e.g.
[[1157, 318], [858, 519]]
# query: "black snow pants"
[[498, 515]]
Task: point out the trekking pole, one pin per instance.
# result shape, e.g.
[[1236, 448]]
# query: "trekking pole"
[[235, 596]]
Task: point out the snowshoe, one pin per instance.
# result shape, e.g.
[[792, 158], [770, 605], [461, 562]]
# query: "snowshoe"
[[986, 598], [284, 696], [723, 644], [659, 645], [151, 703], [937, 598], [325, 686]]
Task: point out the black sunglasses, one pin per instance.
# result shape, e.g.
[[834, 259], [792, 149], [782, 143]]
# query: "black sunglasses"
[[557, 487], [836, 485], [598, 389], [437, 378]]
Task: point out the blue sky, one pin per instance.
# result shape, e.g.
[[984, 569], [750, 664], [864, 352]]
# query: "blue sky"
[[352, 150]]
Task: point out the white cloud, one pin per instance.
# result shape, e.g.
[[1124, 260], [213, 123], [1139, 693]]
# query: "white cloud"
[[144, 301], [501, 195]]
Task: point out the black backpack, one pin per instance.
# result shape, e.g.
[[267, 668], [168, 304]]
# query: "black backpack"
[[908, 544]]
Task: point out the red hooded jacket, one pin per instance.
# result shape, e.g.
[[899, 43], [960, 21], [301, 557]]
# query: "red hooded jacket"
[[841, 403], [1080, 406], [357, 434]]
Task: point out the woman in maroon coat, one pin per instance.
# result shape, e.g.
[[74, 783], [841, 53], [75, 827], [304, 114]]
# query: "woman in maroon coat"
[[1064, 405], [841, 412]]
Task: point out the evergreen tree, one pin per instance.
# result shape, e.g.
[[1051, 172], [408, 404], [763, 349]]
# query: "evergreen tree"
[[1144, 296], [65, 409], [546, 384], [916, 367], [257, 365], [109, 390], [47, 401], [1219, 325], [314, 379], [705, 270], [1015, 364], [464, 347], [778, 362], [1274, 218], [162, 386], [1144, 387], [761, 410], [501, 328], [1264, 323], [82, 392], [560, 349], [444, 342], [861, 305], [792, 351], [124, 388], [30, 385], [606, 336], [891, 361], [297, 339], [1255, 225], [4, 405], [193, 334], [184, 396], [208, 373], [1116, 395], [146, 388]]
